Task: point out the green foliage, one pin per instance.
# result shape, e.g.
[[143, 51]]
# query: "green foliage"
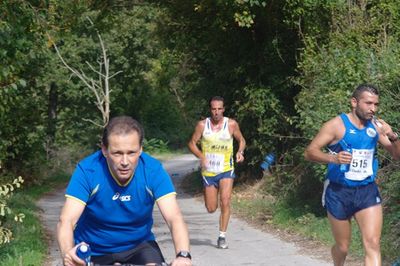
[[260, 109], [29, 244], [245, 15], [21, 52], [155, 146], [390, 184], [6, 192]]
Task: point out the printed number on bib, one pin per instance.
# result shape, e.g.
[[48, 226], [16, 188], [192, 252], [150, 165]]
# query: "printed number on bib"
[[215, 162], [361, 165]]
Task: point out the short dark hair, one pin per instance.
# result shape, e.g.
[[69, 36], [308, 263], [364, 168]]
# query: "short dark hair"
[[216, 98], [365, 87], [122, 125]]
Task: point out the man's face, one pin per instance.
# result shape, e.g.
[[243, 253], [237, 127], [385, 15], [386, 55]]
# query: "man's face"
[[122, 155], [217, 110], [366, 106]]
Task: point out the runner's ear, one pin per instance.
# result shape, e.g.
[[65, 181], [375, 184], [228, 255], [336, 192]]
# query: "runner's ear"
[[104, 150]]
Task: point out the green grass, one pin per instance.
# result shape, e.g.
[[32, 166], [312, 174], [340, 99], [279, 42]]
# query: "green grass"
[[312, 227], [28, 246], [261, 210]]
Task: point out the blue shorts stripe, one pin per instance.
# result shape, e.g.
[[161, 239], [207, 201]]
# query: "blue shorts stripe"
[[214, 180]]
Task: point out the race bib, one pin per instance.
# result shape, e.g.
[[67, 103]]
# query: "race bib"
[[361, 165], [215, 162]]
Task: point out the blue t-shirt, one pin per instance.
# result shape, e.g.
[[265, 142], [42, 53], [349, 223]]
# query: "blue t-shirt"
[[117, 218], [364, 164]]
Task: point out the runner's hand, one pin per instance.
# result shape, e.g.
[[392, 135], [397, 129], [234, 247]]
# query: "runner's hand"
[[180, 261], [239, 157], [70, 258], [203, 163], [384, 128], [344, 157]]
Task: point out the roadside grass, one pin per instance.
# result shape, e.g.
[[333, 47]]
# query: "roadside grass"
[[29, 245], [390, 236], [256, 206], [313, 227]]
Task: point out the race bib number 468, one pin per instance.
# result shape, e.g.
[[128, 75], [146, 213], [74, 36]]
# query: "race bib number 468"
[[215, 162]]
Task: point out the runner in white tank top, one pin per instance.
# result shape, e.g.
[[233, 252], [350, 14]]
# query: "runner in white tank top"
[[216, 154]]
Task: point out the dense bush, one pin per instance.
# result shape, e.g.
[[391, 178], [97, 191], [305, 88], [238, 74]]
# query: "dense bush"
[[6, 213]]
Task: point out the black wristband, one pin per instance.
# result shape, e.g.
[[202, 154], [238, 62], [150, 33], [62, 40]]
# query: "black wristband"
[[184, 254]]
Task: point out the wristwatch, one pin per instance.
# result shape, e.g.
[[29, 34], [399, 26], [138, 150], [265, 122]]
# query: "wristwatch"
[[184, 254]]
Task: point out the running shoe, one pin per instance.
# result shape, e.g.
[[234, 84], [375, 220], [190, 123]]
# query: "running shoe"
[[221, 243]]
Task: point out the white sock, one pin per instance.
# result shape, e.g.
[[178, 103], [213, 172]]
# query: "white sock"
[[222, 234]]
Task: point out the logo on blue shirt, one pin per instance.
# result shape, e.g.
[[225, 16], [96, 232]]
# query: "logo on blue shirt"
[[121, 197], [371, 132]]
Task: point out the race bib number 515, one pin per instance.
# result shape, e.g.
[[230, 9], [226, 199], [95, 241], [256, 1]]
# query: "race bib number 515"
[[361, 165]]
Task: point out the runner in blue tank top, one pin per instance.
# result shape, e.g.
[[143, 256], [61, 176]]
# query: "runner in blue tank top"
[[109, 203], [350, 190]]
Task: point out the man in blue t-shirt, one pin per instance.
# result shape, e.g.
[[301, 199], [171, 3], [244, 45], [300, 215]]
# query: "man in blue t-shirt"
[[350, 189], [110, 199]]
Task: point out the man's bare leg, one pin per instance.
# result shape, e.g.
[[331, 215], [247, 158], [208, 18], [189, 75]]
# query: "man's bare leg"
[[211, 198], [370, 223], [341, 230], [225, 190]]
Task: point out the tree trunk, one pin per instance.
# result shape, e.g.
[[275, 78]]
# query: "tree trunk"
[[52, 114]]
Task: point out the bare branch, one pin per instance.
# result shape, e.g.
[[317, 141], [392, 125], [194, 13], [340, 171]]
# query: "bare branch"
[[93, 122], [94, 70], [116, 73], [99, 88]]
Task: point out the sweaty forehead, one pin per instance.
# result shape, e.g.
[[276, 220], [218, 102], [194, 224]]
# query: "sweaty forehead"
[[368, 96], [118, 138], [217, 104]]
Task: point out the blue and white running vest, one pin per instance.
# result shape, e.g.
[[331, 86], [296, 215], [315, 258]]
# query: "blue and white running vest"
[[364, 164]]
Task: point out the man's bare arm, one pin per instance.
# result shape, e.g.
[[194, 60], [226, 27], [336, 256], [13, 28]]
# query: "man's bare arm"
[[330, 132], [70, 214], [192, 145], [237, 134], [170, 210], [388, 139]]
